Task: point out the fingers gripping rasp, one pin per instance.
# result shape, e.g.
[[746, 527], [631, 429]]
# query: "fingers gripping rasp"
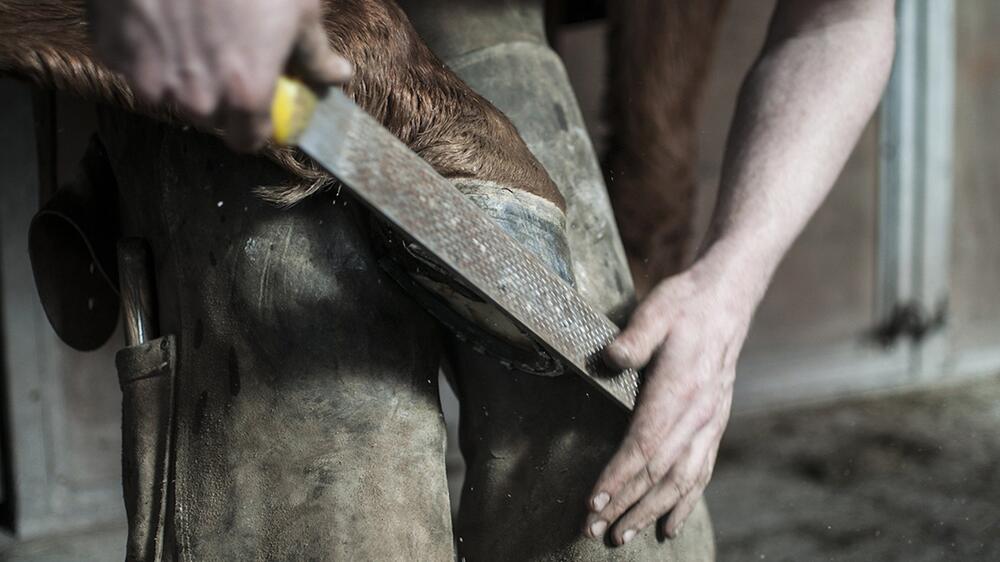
[[407, 192]]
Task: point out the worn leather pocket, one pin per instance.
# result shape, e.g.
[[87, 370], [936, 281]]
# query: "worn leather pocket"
[[146, 373]]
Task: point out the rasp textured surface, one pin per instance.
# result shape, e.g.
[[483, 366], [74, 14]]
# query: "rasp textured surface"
[[398, 185]]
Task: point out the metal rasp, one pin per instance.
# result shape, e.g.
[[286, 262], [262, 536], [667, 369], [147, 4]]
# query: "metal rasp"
[[406, 191]]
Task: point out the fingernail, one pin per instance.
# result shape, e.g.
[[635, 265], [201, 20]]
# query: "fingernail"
[[618, 355], [628, 536], [672, 533], [597, 528], [600, 500]]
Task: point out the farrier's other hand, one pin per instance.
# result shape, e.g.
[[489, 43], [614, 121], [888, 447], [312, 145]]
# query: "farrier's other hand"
[[688, 333], [216, 60]]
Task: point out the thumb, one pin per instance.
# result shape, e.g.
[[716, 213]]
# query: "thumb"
[[637, 343], [315, 61]]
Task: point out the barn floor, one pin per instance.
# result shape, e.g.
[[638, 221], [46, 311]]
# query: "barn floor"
[[101, 544], [912, 477]]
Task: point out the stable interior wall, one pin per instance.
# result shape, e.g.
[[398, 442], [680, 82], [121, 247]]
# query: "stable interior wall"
[[975, 279], [63, 459]]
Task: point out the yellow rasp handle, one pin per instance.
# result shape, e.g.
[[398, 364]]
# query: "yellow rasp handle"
[[291, 109]]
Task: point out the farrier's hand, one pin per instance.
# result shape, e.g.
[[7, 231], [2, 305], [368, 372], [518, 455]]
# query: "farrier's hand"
[[801, 110], [689, 330], [216, 60]]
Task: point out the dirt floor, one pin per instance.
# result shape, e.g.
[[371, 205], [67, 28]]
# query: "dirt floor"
[[100, 544], [912, 477]]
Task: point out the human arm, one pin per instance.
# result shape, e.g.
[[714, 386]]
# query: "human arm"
[[215, 61], [802, 108]]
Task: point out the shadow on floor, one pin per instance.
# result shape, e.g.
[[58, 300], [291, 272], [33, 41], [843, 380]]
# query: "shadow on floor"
[[912, 477]]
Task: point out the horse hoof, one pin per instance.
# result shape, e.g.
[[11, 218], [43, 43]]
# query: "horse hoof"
[[536, 223]]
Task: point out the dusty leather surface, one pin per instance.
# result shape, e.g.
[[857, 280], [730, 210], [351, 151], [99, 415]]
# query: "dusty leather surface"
[[307, 417], [146, 373], [534, 446]]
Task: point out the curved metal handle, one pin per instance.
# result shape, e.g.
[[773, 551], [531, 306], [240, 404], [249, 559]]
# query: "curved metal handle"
[[135, 281]]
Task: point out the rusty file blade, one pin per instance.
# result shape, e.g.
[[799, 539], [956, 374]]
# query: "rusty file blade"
[[407, 192]]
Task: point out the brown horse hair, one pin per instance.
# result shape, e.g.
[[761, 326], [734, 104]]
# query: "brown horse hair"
[[397, 80], [660, 52]]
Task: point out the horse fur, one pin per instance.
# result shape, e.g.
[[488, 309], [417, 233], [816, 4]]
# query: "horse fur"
[[397, 80]]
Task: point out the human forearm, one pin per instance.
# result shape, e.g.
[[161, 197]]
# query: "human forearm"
[[800, 112]]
